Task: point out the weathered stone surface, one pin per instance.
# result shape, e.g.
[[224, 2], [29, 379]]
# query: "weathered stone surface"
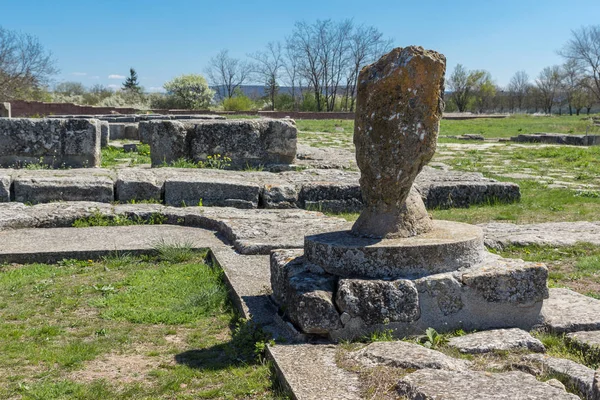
[[246, 142], [279, 196], [310, 303], [432, 384], [5, 110], [66, 188], [284, 265], [377, 302], [596, 386], [576, 375], [5, 182], [104, 133], [398, 110], [138, 185], [406, 355], [558, 138], [193, 191], [497, 339], [448, 247], [311, 372], [509, 281], [569, 311], [449, 188], [120, 131], [445, 289], [70, 143], [586, 341], [499, 235]]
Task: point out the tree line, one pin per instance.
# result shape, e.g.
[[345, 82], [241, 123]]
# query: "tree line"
[[319, 64]]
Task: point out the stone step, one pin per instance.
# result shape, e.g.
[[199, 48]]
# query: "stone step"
[[573, 374], [568, 311], [500, 234]]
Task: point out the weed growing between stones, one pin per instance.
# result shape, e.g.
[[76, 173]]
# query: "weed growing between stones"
[[125, 327], [174, 252], [216, 161], [115, 156], [99, 219]]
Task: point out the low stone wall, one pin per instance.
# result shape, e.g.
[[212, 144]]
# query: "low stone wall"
[[71, 143], [557, 138], [246, 142]]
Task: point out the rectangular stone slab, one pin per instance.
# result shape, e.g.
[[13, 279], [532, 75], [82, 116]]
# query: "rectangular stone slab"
[[569, 311], [191, 191], [64, 188]]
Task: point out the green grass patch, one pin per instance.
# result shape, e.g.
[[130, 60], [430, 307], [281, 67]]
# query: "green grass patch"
[[76, 328], [115, 156], [99, 219]]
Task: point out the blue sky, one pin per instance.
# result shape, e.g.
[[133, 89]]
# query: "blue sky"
[[97, 41]]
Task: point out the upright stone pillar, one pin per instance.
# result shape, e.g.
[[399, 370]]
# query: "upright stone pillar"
[[4, 110], [398, 111]]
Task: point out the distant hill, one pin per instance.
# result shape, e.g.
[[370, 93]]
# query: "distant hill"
[[253, 91]]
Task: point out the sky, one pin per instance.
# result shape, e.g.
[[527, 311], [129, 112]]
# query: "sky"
[[97, 41]]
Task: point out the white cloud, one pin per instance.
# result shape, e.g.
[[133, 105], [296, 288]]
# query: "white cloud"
[[114, 86], [79, 73], [115, 76]]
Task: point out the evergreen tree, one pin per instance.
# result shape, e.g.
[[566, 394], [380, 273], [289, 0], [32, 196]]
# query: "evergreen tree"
[[131, 82]]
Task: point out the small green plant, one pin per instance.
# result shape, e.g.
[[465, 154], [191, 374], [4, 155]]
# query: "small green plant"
[[249, 341], [174, 252], [386, 335], [216, 161], [105, 290], [99, 219], [432, 339]]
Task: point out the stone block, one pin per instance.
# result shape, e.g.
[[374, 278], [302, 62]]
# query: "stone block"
[[573, 374], [191, 191], [5, 183], [56, 142], [284, 265], [496, 340], [279, 196], [5, 110], [400, 354], [569, 311], [313, 310], [124, 131], [331, 197], [476, 385], [377, 302], [68, 188], [138, 185], [104, 133], [246, 142]]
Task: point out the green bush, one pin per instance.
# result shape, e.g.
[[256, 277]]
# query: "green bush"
[[190, 91], [238, 103]]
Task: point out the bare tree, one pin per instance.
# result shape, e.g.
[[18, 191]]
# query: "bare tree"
[[267, 66], [548, 83], [290, 66], [584, 49], [518, 88], [227, 74], [25, 65], [571, 83], [366, 46]]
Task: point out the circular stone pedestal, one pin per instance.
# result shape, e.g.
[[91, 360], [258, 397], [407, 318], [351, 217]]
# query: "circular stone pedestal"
[[448, 247]]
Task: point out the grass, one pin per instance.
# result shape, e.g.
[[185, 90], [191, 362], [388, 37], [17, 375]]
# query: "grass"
[[126, 327], [116, 156], [99, 219]]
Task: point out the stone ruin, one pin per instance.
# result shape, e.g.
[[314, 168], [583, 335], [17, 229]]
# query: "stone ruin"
[[397, 268], [4, 110]]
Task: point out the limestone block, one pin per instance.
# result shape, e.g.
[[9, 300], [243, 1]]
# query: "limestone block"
[[398, 110], [66, 188], [509, 281], [377, 302], [5, 182], [476, 385], [191, 191], [577, 375], [136, 185], [331, 197], [279, 196], [310, 303], [496, 340], [284, 265], [104, 133], [56, 142], [121, 131], [400, 354]]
